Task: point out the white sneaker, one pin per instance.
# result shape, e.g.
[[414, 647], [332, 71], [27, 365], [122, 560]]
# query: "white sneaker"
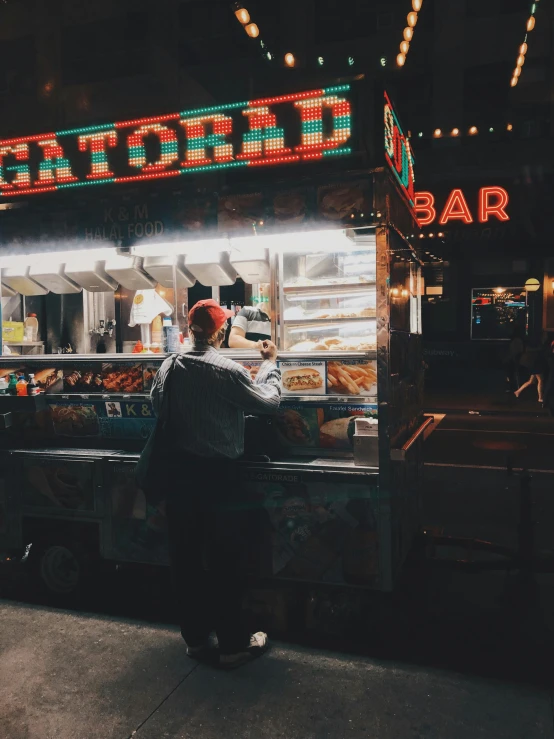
[[258, 645]]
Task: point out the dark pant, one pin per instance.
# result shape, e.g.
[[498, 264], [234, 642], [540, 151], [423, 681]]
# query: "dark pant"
[[208, 534]]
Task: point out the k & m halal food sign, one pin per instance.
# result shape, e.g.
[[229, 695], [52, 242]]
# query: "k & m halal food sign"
[[287, 129]]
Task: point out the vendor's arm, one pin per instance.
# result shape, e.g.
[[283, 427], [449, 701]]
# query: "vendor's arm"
[[238, 340]]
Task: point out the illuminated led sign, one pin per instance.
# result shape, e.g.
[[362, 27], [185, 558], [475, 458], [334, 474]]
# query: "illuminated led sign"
[[246, 134], [492, 202], [398, 152]]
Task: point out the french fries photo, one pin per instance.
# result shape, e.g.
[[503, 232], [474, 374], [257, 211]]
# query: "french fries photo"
[[350, 379]]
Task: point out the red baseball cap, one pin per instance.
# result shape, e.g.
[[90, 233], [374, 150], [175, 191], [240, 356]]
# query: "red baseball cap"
[[207, 316]]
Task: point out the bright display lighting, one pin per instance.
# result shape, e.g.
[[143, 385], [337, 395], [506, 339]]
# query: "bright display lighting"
[[401, 59], [408, 33], [290, 61], [412, 19], [178, 248], [416, 5], [404, 47], [252, 30], [205, 133]]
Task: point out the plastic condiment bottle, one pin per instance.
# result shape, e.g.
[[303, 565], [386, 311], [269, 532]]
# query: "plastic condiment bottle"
[[21, 386], [32, 322], [157, 336], [32, 387], [12, 389]]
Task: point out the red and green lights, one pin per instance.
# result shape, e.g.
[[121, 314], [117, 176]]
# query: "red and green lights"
[[190, 141]]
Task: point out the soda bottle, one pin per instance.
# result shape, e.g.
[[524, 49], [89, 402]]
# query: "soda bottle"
[[32, 387], [21, 386], [12, 385]]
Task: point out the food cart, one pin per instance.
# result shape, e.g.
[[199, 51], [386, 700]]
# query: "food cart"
[[329, 250]]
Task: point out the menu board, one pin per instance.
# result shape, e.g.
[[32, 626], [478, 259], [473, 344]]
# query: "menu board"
[[320, 426]]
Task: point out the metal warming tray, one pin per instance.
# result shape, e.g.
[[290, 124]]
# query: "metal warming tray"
[[54, 278], [128, 271], [161, 269], [251, 262], [18, 279], [90, 274], [211, 268]]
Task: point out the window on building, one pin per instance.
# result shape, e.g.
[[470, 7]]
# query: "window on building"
[[497, 311]]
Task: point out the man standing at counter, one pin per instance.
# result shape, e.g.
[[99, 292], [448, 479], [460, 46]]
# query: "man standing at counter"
[[208, 396]]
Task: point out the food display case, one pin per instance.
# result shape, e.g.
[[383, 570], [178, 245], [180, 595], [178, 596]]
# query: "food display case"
[[335, 488]]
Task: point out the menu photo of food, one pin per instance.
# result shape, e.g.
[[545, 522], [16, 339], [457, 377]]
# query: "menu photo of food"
[[123, 379], [354, 377], [75, 420], [303, 378], [83, 380], [60, 484], [148, 373], [48, 378], [252, 367], [299, 425], [338, 427]]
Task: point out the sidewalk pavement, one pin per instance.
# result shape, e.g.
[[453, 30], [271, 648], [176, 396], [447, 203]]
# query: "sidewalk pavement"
[[69, 675]]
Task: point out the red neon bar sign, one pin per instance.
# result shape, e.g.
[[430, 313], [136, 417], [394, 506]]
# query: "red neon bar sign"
[[177, 144], [492, 202]]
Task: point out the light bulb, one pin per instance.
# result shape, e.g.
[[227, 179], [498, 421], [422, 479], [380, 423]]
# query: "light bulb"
[[523, 49], [243, 16], [401, 59], [290, 61], [252, 30], [509, 127], [408, 33], [320, 61], [520, 60], [513, 82], [351, 61], [531, 23], [473, 131], [404, 47], [517, 72], [383, 61], [437, 133], [416, 5], [412, 19], [455, 132]]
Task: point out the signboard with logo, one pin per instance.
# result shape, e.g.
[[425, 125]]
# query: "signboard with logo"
[[398, 152], [287, 129]]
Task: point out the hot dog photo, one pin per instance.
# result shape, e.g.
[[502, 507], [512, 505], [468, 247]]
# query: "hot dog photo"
[[303, 378]]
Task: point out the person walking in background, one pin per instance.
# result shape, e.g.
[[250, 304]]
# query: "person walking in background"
[[549, 385], [515, 353], [534, 359]]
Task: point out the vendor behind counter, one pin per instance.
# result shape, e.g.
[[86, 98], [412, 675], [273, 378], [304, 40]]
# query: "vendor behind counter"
[[251, 325]]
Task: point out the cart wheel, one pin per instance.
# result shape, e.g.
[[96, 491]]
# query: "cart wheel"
[[58, 568]]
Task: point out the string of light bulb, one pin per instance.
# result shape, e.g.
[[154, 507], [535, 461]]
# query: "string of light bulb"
[[522, 51], [408, 33], [438, 133]]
